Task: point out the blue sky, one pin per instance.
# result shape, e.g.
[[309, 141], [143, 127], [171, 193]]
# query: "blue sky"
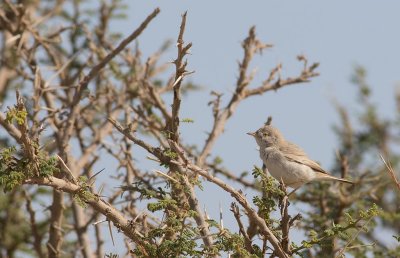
[[338, 34]]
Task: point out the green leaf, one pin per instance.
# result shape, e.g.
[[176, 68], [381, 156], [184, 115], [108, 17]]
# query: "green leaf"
[[187, 120]]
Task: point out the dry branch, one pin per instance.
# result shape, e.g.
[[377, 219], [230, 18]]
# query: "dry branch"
[[251, 213], [82, 86], [186, 164], [157, 152], [247, 240], [180, 67], [391, 172], [97, 203], [251, 45]]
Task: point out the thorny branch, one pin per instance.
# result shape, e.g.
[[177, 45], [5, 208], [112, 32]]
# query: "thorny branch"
[[180, 67], [71, 122], [285, 222], [82, 86], [97, 203], [62, 113], [247, 240], [186, 164], [63, 131], [251, 45]]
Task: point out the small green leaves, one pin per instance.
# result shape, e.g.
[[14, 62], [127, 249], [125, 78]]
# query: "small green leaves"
[[232, 243], [341, 230], [11, 180], [7, 154], [257, 172], [270, 186], [217, 160], [170, 154], [187, 120], [306, 244], [161, 204], [349, 218], [83, 195], [371, 212], [48, 166], [14, 169], [144, 191], [82, 180], [313, 235], [19, 116]]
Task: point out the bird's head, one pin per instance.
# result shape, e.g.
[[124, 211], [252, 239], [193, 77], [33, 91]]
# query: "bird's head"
[[267, 136]]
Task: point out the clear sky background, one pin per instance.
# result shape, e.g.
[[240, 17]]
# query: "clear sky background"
[[338, 34]]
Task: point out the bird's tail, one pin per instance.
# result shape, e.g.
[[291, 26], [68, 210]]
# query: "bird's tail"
[[329, 177], [344, 181]]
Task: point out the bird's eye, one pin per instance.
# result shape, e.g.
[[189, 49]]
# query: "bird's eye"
[[265, 134]]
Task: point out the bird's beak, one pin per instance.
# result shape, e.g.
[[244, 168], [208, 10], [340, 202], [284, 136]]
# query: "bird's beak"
[[252, 134]]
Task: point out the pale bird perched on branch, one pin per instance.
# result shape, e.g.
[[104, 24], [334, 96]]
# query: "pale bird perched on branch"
[[286, 161]]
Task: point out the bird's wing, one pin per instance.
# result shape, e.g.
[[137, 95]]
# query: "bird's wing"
[[294, 153]]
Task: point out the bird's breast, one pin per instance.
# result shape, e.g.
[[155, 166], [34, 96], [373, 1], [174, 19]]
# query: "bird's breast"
[[293, 174]]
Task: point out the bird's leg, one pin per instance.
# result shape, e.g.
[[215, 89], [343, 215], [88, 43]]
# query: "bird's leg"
[[293, 191], [264, 168], [283, 186]]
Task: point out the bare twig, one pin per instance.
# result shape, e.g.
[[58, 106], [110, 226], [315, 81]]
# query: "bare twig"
[[167, 176], [37, 238], [11, 129], [247, 241], [251, 45], [180, 67], [285, 223], [79, 225], [231, 176], [94, 71], [391, 172], [98, 204], [56, 218]]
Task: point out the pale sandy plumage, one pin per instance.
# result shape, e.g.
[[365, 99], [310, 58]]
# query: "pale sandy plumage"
[[286, 161]]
